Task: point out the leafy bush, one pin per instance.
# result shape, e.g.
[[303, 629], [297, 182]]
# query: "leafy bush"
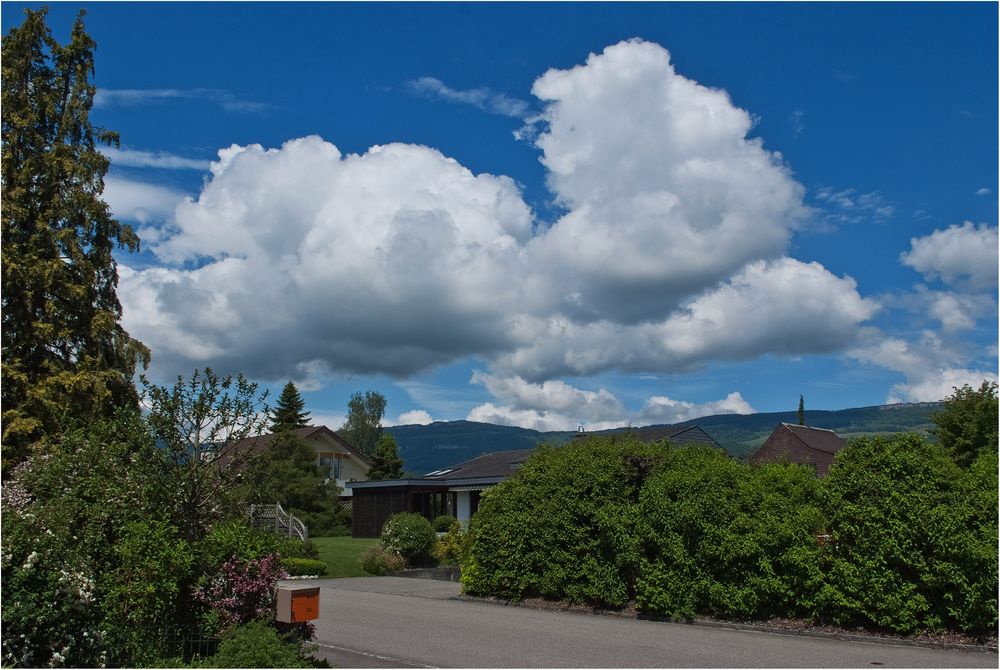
[[410, 535], [444, 523], [297, 567], [378, 560], [256, 645], [452, 546], [235, 537], [724, 539], [967, 423], [564, 525], [64, 514], [916, 537], [143, 593]]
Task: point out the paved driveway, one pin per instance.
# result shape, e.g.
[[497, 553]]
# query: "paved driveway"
[[399, 622]]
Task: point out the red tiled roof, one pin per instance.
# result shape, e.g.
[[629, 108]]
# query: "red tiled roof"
[[820, 439]]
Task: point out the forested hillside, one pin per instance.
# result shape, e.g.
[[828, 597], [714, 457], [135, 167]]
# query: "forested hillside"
[[443, 443]]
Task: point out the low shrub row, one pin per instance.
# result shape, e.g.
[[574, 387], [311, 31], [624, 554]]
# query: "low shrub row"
[[897, 537], [300, 567]]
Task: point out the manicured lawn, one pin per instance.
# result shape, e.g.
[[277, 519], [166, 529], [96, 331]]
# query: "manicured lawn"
[[342, 555]]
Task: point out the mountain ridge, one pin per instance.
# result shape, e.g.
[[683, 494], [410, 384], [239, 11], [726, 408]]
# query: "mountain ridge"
[[433, 446]]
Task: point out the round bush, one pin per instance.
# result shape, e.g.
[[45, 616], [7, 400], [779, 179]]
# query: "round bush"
[[256, 645], [444, 523], [409, 535]]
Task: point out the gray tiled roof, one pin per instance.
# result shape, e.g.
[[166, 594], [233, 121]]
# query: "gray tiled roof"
[[496, 464]]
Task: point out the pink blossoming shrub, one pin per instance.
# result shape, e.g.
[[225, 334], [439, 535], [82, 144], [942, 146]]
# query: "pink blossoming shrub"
[[243, 590]]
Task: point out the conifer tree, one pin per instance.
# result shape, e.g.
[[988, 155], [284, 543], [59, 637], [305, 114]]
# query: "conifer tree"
[[288, 413], [386, 463], [65, 355], [802, 411]]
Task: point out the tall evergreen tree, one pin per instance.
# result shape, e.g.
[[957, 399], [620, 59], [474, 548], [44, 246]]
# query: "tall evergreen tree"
[[386, 463], [363, 428], [65, 355], [802, 411], [288, 413]]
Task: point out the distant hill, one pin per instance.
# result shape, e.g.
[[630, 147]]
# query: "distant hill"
[[443, 443]]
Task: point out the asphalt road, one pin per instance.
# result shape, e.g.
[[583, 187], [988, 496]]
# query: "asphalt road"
[[380, 622]]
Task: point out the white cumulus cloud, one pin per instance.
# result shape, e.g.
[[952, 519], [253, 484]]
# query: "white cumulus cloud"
[[661, 409], [666, 193], [302, 261], [957, 254], [932, 367], [556, 405], [783, 307], [413, 417]]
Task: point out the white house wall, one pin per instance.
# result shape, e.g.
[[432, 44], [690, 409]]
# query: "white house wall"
[[351, 467], [463, 508]]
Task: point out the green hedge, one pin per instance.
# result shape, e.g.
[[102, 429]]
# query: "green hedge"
[[916, 537], [688, 531], [298, 567], [564, 526], [235, 537], [723, 539]]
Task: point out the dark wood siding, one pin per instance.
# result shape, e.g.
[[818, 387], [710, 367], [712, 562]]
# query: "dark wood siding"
[[371, 509]]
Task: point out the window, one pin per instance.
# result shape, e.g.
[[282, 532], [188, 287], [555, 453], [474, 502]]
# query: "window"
[[330, 465]]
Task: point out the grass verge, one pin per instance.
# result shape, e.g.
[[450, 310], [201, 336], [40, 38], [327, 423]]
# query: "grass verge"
[[342, 555]]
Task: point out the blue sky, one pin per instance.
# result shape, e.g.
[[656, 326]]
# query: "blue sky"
[[590, 214]]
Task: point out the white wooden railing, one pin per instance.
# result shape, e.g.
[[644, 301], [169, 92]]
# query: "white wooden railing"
[[276, 520]]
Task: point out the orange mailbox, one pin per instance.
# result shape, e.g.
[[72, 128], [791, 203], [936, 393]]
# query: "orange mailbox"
[[297, 603]]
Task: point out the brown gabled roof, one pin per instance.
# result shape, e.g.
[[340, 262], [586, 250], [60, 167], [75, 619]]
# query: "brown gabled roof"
[[820, 439], [678, 434], [496, 464], [259, 443]]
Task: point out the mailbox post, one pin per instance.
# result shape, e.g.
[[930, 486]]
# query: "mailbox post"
[[296, 604]]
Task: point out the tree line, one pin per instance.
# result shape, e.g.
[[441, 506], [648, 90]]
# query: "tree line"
[[125, 532]]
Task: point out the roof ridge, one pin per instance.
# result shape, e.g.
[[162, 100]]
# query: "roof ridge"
[[799, 425]]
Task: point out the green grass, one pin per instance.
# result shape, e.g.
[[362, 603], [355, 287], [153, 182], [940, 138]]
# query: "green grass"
[[342, 555]]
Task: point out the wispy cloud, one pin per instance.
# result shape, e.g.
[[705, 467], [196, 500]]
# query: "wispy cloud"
[[483, 98], [797, 121], [843, 77], [128, 97], [140, 201], [983, 191], [154, 159], [850, 206]]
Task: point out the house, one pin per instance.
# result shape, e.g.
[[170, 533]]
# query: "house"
[[454, 490], [335, 455], [800, 444]]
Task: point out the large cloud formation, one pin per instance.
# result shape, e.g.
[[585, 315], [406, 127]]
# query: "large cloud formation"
[[299, 260]]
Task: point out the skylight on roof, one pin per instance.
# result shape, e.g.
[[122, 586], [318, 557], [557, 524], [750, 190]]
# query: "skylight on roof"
[[438, 473]]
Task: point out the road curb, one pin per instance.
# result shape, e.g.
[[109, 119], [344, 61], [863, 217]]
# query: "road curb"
[[757, 628]]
